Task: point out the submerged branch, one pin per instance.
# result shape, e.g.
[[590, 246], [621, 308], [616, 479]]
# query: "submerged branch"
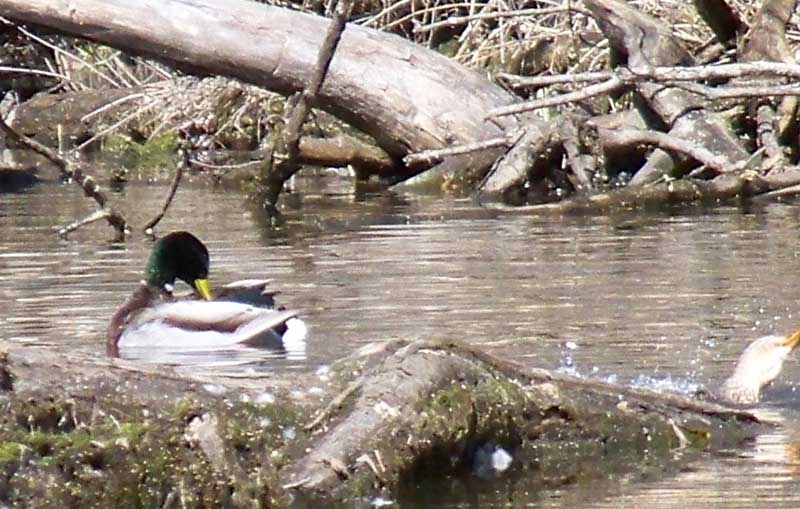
[[282, 167], [72, 172]]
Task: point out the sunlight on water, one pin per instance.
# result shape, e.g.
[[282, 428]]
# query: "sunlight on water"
[[659, 301]]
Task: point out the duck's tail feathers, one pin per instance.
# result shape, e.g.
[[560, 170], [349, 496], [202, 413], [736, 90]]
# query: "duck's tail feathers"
[[266, 330]]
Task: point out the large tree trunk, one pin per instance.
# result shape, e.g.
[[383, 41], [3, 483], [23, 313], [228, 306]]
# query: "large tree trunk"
[[407, 97]]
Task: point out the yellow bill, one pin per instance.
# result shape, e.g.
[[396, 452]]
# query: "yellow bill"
[[202, 288], [792, 340]]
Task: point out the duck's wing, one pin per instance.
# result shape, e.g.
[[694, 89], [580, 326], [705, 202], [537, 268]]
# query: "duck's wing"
[[206, 324], [221, 316], [248, 291]]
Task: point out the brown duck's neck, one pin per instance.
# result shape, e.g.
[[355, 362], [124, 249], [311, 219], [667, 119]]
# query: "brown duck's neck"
[[144, 295]]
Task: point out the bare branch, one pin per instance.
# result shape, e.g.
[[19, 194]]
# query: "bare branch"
[[97, 215], [742, 91], [280, 172], [668, 75], [429, 156], [483, 16], [36, 72], [671, 143], [591, 91], [90, 187], [176, 179], [665, 73], [514, 81]]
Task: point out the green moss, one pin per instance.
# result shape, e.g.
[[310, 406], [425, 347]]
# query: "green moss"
[[142, 459], [155, 154], [185, 409], [47, 444], [9, 451], [133, 430]]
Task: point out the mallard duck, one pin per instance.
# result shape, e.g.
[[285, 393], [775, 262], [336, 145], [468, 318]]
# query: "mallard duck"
[[760, 363], [152, 318]]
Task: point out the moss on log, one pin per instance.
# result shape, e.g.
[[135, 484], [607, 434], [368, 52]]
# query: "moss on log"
[[87, 431]]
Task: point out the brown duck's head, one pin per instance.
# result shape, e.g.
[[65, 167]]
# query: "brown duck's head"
[[179, 255], [759, 364]]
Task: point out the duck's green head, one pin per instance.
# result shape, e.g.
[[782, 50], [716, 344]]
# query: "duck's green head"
[[179, 255]]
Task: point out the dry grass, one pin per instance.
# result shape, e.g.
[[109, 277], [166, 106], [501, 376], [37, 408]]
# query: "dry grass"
[[517, 36]]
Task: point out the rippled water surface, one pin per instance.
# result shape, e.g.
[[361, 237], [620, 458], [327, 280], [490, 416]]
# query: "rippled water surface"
[[661, 300]]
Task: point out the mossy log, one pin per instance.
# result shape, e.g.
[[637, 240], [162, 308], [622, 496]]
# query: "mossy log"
[[85, 430]]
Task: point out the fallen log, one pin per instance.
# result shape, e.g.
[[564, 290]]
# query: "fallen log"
[[647, 43], [398, 92], [746, 185], [766, 41], [127, 433]]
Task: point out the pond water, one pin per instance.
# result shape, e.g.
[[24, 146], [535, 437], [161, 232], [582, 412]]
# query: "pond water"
[[665, 300]]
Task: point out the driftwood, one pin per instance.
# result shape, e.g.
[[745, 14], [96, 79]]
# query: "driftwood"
[[127, 432], [766, 41], [695, 135], [283, 158], [647, 43], [399, 93], [403, 95], [73, 171], [746, 185]]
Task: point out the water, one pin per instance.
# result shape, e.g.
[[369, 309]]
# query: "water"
[[661, 300]]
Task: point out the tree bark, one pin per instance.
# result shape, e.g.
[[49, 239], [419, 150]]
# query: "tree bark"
[[766, 41], [722, 19], [647, 43], [400, 93]]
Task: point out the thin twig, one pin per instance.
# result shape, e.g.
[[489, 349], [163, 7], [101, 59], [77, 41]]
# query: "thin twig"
[[210, 166], [116, 125], [669, 75], [385, 12], [738, 92], [97, 215], [484, 16], [336, 403], [413, 15], [515, 81], [36, 72], [176, 179], [614, 83], [666, 73], [429, 156], [59, 51], [117, 102], [90, 187]]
